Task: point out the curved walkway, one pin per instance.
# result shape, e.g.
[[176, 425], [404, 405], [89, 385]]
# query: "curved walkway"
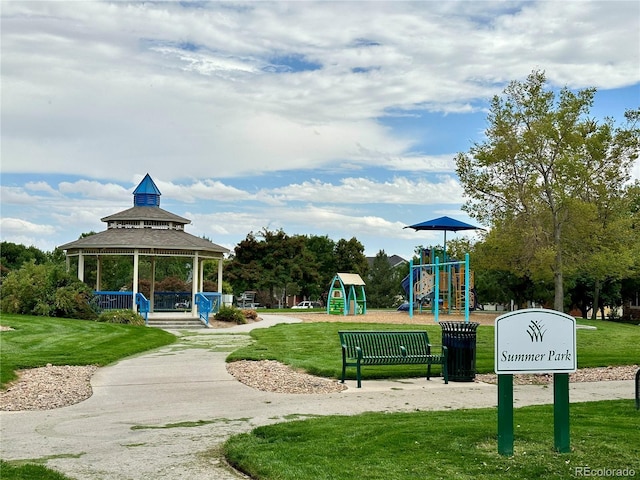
[[164, 414]]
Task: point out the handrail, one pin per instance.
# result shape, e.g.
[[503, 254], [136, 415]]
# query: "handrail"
[[204, 307], [207, 302], [144, 304]]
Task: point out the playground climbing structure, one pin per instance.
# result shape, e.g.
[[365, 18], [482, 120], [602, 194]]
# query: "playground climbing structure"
[[440, 284]]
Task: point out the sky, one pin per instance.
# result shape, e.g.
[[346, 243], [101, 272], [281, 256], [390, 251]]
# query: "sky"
[[318, 118]]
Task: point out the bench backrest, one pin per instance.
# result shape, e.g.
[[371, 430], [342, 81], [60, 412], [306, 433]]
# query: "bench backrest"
[[385, 343]]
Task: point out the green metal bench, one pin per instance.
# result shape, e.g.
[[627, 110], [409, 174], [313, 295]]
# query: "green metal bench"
[[389, 348]]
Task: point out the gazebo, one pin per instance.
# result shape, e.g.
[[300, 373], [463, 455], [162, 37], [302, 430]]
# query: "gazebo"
[[146, 230]]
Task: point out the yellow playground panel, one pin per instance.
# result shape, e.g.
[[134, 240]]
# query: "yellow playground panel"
[[451, 287]]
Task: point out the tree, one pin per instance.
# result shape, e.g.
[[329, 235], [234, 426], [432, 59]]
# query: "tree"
[[323, 250], [278, 263], [383, 283], [350, 257], [13, 256], [543, 163]]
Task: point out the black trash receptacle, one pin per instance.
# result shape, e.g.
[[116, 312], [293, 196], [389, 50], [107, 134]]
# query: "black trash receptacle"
[[460, 340], [638, 390]]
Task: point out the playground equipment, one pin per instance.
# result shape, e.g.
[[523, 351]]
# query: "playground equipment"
[[346, 295], [441, 284]]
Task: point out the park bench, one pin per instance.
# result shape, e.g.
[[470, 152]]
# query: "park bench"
[[389, 348]]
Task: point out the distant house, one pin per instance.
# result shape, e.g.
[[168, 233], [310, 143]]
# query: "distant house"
[[394, 261]]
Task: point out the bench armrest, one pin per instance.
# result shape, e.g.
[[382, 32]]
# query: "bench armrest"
[[359, 352]]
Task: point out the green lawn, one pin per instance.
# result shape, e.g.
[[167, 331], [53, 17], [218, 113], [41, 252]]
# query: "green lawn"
[[421, 445], [29, 471], [315, 348], [37, 341], [457, 445]]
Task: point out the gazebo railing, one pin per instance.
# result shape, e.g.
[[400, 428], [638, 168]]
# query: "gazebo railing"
[[170, 301], [207, 302], [143, 306], [113, 300]]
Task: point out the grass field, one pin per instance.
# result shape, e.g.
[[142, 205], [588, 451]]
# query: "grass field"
[[457, 445], [37, 341], [315, 348]]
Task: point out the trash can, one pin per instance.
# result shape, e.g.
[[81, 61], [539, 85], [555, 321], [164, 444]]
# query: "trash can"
[[460, 340], [638, 390]]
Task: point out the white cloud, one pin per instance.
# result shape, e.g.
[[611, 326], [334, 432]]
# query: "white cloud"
[[195, 96], [43, 187], [98, 89], [15, 196], [11, 227], [400, 190], [95, 190]]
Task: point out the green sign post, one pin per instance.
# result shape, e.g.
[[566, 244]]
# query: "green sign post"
[[505, 414], [562, 441], [534, 341]]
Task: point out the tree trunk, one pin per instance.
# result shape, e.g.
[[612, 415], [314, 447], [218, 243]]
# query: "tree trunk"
[[596, 299], [558, 277], [558, 299], [584, 309]]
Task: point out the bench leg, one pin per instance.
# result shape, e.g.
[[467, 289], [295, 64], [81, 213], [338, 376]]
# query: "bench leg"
[[344, 367], [358, 376], [429, 371]]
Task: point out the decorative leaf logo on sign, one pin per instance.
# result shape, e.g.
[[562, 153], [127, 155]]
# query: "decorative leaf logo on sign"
[[535, 331]]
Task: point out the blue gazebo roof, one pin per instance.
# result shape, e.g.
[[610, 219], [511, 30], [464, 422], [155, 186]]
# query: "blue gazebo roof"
[[146, 193]]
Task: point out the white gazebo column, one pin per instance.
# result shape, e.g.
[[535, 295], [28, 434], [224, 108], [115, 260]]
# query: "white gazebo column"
[[220, 275], [194, 284], [201, 277], [98, 273], [152, 288], [81, 266], [136, 261]]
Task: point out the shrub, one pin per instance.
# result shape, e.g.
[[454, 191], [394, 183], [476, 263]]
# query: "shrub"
[[45, 290], [230, 314], [250, 314], [125, 316]]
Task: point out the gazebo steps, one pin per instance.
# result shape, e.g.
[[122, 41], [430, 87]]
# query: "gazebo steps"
[[175, 323]]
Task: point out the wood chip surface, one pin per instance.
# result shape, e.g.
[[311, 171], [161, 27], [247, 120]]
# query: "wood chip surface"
[[272, 376]]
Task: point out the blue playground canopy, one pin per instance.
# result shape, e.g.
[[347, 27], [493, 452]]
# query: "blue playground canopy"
[[443, 223], [446, 224]]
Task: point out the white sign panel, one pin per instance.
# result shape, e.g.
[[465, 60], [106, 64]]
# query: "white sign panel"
[[535, 340]]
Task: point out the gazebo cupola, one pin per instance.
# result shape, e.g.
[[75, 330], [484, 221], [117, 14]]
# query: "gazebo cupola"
[[146, 194], [146, 211]]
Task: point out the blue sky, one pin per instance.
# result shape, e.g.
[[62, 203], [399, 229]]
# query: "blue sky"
[[320, 118]]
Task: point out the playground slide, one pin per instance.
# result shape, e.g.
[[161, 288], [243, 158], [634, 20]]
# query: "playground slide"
[[422, 287]]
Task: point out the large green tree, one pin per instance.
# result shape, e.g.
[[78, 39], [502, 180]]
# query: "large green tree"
[[273, 262], [323, 250], [543, 163], [383, 281], [13, 256], [283, 265], [350, 257]]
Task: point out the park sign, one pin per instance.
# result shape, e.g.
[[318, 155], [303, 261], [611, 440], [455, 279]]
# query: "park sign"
[[535, 340]]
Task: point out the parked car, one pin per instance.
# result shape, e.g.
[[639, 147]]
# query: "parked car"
[[307, 304]]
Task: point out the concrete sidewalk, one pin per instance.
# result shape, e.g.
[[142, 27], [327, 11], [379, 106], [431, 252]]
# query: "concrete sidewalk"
[[163, 414]]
